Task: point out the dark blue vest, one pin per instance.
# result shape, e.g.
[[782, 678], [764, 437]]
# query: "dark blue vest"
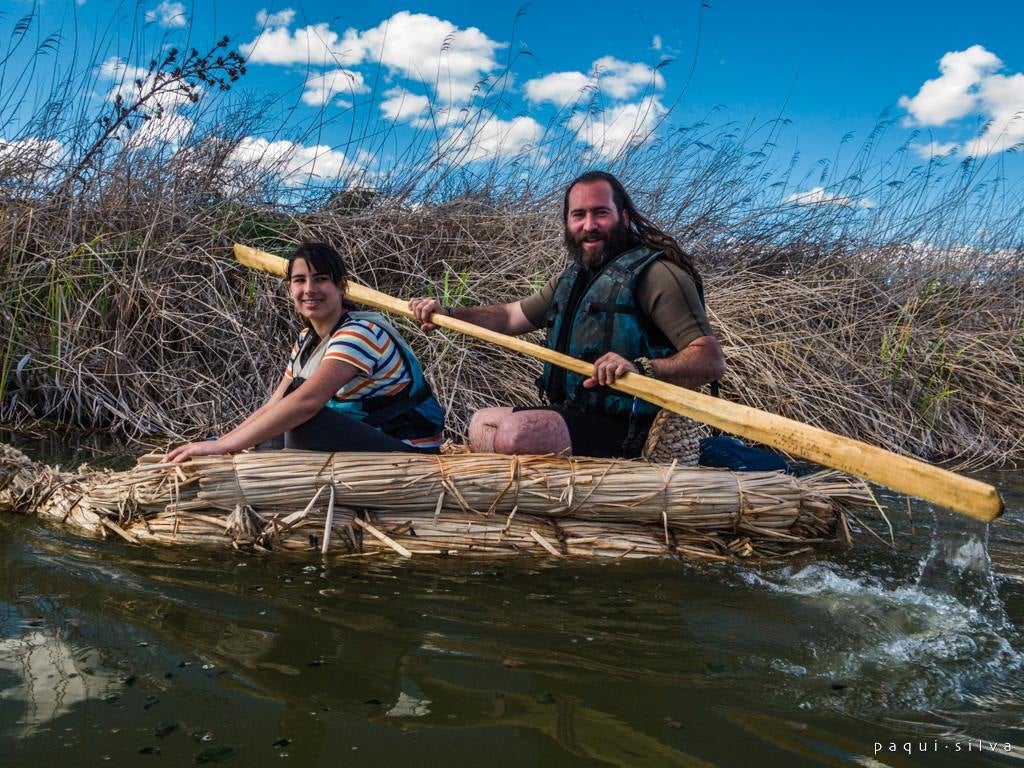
[[590, 315]]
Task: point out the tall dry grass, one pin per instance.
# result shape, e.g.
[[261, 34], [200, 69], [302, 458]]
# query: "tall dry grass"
[[900, 323]]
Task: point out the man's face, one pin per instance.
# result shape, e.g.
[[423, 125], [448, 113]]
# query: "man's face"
[[595, 229]]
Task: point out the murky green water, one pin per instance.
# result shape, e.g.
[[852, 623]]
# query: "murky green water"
[[111, 653]]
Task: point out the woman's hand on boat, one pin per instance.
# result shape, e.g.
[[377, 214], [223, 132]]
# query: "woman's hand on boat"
[[190, 450]]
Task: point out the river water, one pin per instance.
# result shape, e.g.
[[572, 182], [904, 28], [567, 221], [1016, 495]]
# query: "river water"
[[112, 653]]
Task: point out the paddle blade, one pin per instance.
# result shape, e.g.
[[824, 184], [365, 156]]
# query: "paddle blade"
[[261, 260]]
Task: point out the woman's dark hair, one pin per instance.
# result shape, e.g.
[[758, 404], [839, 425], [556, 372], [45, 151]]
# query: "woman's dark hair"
[[641, 230], [322, 258]]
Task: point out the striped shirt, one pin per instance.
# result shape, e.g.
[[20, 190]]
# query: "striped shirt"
[[380, 369]]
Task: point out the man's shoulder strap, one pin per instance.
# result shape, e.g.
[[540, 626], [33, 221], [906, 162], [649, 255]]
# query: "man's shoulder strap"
[[629, 264]]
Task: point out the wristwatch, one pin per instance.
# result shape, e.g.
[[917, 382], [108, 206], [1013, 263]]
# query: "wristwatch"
[[644, 366]]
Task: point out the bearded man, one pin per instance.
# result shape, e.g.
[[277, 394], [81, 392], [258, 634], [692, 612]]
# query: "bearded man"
[[630, 301]]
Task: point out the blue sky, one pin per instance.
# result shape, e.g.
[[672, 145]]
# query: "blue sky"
[[941, 72]]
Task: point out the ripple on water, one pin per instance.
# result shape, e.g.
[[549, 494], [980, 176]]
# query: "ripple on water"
[[888, 646]]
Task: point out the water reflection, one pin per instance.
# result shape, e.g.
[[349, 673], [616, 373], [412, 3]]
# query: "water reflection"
[[419, 650], [48, 677], [106, 646]]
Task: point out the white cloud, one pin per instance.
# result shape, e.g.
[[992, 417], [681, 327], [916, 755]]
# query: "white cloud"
[[970, 83], [294, 163], [497, 138], [429, 50], [561, 88], [45, 147], [955, 93], [31, 160], [413, 45], [619, 80], [623, 79], [320, 89], [34, 154], [610, 132], [116, 68], [168, 14], [1002, 101], [282, 18], [820, 196], [315, 44], [400, 104], [935, 149], [656, 43]]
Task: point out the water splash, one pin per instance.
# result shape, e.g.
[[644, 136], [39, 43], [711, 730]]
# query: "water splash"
[[958, 563], [894, 645]]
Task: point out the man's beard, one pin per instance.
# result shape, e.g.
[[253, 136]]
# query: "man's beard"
[[615, 242]]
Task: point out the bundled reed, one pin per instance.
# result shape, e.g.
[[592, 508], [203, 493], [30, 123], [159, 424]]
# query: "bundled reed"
[[352, 504]]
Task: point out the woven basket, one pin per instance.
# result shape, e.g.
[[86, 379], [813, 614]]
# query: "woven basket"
[[673, 438]]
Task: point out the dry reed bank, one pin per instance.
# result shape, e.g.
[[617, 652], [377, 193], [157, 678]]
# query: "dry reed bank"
[[888, 306], [132, 316]]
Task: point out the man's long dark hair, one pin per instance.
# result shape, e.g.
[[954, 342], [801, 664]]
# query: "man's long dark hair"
[[641, 230]]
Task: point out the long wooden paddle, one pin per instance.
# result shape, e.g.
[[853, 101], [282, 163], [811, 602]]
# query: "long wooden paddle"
[[901, 473]]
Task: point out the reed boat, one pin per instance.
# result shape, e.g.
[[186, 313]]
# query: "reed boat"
[[410, 505]]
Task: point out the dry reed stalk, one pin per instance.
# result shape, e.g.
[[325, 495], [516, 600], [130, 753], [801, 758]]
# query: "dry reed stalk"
[[123, 310], [902, 351], [454, 504]]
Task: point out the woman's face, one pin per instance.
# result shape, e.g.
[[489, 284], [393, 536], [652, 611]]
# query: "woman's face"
[[316, 297]]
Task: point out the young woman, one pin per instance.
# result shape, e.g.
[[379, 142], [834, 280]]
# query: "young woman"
[[352, 383]]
